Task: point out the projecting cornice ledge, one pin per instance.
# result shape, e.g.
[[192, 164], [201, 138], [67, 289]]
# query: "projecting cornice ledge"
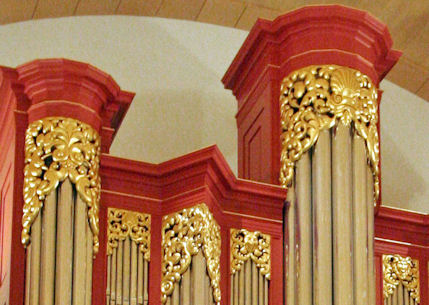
[[67, 88], [313, 35], [201, 176]]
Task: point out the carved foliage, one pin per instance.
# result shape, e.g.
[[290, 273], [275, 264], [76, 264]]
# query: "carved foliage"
[[401, 270], [128, 224], [319, 97], [184, 234], [55, 149], [250, 245]]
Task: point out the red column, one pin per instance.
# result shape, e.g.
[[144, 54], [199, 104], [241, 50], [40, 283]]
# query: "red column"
[[313, 35], [46, 88]]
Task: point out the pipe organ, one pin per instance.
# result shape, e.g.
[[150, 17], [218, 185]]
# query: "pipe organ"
[[400, 280], [328, 137], [250, 267], [128, 257], [61, 199], [191, 244], [304, 225]]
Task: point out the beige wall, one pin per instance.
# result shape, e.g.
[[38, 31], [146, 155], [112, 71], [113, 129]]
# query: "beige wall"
[[404, 149], [175, 68]]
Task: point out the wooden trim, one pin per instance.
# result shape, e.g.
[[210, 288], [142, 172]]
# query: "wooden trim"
[[401, 225]]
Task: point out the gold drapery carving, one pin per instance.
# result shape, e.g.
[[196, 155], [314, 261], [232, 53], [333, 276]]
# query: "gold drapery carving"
[[184, 234], [57, 148], [399, 270], [123, 224], [319, 97], [250, 245]]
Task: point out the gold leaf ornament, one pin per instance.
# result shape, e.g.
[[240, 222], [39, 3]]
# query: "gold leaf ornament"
[[247, 245], [317, 98], [124, 224], [398, 270], [58, 148], [184, 234]]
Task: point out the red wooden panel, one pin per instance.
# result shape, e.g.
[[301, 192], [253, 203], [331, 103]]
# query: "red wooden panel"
[[5, 223], [200, 177], [259, 133], [254, 149], [405, 233]]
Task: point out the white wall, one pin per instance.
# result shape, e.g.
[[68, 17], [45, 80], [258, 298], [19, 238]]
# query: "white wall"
[[404, 149], [180, 106]]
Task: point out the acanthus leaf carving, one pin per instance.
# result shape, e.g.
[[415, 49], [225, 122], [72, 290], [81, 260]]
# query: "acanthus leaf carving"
[[316, 98], [57, 148], [184, 234], [247, 245], [128, 224], [398, 270]]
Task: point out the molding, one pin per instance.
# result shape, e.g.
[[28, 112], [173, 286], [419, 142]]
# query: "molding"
[[205, 170], [404, 226], [358, 40], [382, 245], [78, 82], [62, 87]]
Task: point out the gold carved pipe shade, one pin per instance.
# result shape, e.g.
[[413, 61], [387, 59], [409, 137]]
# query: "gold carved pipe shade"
[[184, 234], [247, 245], [320, 97], [398, 270], [57, 148], [123, 224]]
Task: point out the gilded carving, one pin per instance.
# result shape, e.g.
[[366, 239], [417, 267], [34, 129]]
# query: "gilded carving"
[[184, 234], [247, 245], [401, 270], [57, 148], [128, 224], [319, 97]]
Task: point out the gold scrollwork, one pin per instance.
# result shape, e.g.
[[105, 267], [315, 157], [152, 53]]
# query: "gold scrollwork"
[[250, 245], [57, 148], [317, 98], [123, 224], [401, 270], [184, 234]]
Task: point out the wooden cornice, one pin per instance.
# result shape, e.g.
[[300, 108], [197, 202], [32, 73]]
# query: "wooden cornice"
[[403, 226], [203, 172]]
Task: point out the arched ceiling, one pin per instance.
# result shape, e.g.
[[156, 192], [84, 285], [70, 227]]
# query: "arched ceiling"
[[408, 21]]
